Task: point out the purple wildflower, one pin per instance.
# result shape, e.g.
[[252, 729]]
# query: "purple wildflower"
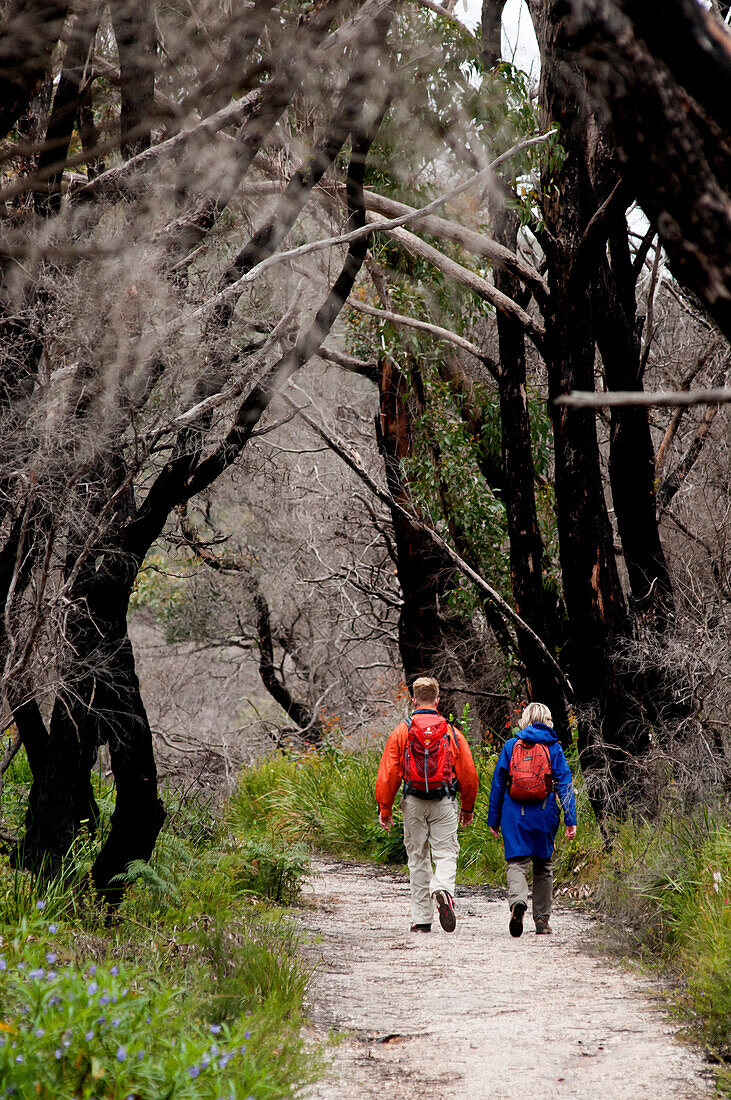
[[242, 1050], [92, 988], [116, 1021], [37, 973], [214, 1051], [214, 1028], [101, 1020], [58, 1054], [140, 1055], [21, 966], [54, 1000], [121, 1054], [247, 1034], [104, 999], [3, 964], [114, 971], [40, 905], [193, 1071], [39, 1033], [19, 1058], [53, 929], [92, 970], [51, 957], [205, 1061], [89, 1036], [51, 975]]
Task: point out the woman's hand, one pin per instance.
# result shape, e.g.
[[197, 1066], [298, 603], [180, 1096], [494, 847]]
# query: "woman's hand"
[[495, 832], [571, 831]]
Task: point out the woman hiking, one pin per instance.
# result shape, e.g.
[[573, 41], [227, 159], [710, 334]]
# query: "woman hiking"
[[531, 770]]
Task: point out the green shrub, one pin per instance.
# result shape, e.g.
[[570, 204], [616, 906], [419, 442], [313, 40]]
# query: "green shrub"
[[271, 871], [194, 991]]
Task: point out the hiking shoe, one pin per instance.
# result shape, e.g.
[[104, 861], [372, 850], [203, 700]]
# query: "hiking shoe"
[[445, 904], [543, 928], [516, 919], [421, 928]]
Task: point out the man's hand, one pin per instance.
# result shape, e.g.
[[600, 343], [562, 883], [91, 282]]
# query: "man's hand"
[[495, 832], [571, 831], [465, 818], [385, 820]]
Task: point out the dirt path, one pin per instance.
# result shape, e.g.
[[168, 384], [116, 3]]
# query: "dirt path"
[[477, 1015]]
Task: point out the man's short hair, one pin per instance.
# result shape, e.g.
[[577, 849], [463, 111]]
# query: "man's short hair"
[[535, 712], [425, 689]]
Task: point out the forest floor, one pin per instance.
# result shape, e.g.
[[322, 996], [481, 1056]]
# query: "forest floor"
[[476, 1014]]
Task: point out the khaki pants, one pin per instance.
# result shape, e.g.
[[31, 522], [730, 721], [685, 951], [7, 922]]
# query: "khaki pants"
[[430, 833], [542, 884]]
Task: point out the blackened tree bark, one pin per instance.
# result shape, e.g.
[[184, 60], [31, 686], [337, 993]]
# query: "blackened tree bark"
[[492, 22], [665, 85], [611, 728], [422, 569], [526, 544], [28, 35], [65, 112], [606, 257], [134, 30]]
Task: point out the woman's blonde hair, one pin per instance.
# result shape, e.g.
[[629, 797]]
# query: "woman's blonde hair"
[[535, 712]]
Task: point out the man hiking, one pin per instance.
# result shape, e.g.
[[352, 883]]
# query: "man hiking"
[[522, 801], [434, 761]]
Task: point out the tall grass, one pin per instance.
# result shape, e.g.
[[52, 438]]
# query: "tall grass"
[[666, 883], [196, 990]]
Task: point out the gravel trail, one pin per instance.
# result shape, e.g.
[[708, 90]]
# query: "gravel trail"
[[477, 1015]]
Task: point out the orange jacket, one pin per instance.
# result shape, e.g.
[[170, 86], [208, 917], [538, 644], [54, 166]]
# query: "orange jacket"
[[391, 770]]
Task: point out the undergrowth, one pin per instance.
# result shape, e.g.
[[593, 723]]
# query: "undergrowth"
[[665, 884], [195, 990]]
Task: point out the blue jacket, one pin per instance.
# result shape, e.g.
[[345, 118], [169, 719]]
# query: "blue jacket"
[[529, 828]]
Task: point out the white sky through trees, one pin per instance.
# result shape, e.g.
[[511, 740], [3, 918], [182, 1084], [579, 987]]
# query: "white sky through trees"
[[519, 40]]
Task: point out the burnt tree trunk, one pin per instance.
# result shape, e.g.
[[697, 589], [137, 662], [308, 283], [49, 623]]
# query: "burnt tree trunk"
[[612, 733], [65, 112], [134, 30], [526, 544], [422, 570]]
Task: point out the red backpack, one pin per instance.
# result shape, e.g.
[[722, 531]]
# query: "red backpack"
[[429, 757], [530, 778]]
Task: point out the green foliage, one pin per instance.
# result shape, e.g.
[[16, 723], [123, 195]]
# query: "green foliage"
[[168, 1000], [672, 880], [270, 870], [159, 586]]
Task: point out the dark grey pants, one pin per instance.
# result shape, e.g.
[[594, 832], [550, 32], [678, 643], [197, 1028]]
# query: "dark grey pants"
[[542, 884]]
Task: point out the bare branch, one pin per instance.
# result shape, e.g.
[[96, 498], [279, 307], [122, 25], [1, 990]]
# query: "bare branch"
[[580, 399], [434, 330], [351, 460]]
